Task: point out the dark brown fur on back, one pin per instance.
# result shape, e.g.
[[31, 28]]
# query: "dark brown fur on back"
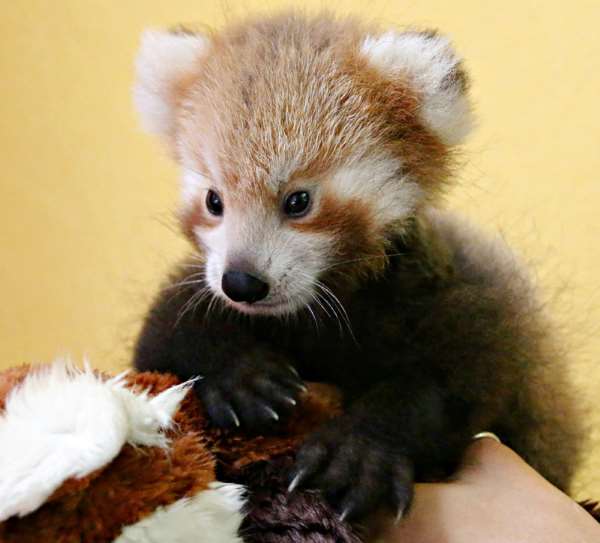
[[452, 322]]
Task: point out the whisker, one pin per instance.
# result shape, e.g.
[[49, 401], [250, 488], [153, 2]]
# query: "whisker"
[[312, 313], [185, 283], [308, 306], [341, 263], [211, 305], [336, 301], [319, 298], [192, 304]]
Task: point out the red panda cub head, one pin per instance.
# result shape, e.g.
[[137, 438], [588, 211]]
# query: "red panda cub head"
[[306, 145]]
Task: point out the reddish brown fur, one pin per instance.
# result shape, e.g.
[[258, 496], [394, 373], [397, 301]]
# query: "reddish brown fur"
[[10, 379], [196, 216], [426, 158], [350, 223], [273, 93], [249, 102]]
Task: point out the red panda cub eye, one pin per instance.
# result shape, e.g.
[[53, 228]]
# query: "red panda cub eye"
[[297, 204], [214, 204]]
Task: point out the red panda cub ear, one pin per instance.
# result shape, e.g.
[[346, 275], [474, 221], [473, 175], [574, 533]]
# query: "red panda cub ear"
[[165, 63], [427, 62]]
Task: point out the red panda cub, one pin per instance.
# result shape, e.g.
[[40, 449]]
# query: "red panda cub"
[[314, 151]]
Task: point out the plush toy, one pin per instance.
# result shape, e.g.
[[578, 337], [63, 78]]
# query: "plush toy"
[[130, 459], [89, 458]]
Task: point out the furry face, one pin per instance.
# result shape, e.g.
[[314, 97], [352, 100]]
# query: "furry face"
[[294, 234], [269, 117]]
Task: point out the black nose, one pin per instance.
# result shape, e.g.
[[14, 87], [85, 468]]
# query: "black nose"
[[243, 287]]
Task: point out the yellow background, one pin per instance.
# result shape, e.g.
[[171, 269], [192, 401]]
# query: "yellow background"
[[86, 199]]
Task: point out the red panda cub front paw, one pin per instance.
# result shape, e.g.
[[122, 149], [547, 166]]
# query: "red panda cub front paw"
[[357, 475], [255, 396]]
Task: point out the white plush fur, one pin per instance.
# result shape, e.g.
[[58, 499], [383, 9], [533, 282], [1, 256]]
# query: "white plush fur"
[[429, 62], [63, 422], [211, 516], [163, 59]]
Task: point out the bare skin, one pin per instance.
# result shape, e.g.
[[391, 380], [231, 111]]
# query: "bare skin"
[[495, 498]]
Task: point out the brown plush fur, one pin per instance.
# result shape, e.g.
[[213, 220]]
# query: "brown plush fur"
[[10, 379], [95, 508]]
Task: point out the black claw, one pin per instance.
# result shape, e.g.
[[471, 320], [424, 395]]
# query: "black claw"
[[271, 413], [233, 415], [345, 513], [294, 384], [256, 395], [402, 487], [281, 399], [296, 480], [293, 371], [220, 412], [356, 475]]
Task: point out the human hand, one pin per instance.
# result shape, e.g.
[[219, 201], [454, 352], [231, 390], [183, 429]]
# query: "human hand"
[[495, 498]]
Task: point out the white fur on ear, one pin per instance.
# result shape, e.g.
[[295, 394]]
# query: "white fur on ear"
[[163, 60], [433, 67]]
